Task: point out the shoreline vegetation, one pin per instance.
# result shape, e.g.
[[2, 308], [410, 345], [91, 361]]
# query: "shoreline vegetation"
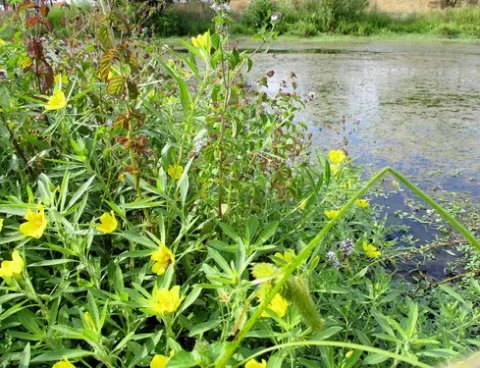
[[312, 20]]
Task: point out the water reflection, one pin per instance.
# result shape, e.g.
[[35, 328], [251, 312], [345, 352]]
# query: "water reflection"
[[414, 106]]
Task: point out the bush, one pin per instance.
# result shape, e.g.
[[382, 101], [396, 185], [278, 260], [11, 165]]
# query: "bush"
[[259, 13]]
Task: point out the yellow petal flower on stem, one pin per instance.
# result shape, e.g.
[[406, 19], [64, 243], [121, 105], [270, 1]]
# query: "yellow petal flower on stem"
[[163, 257], [1, 224], [36, 223], [201, 41], [175, 171], [252, 363], [279, 305], [25, 62], [337, 156], [60, 78], [331, 214], [57, 101], [63, 364], [13, 268], [264, 271], [159, 361], [371, 251], [362, 203], [165, 301], [108, 223]]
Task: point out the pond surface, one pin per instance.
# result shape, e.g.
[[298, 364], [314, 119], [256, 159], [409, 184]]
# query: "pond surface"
[[414, 106]]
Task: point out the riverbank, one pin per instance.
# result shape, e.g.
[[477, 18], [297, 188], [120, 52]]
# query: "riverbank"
[[456, 23]]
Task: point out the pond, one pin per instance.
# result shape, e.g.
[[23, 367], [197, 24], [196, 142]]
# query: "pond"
[[414, 106]]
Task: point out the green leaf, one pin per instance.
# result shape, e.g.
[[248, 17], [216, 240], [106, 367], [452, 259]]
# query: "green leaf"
[[229, 231], [191, 298], [25, 357], [60, 354], [80, 192], [200, 328], [375, 359], [184, 359], [266, 234]]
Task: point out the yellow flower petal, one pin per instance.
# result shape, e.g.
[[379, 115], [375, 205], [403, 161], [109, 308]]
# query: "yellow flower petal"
[[163, 258], [108, 223], [201, 41], [57, 101], [362, 203], [175, 171], [159, 361], [165, 301], [2, 42], [252, 363], [1, 225], [371, 251], [331, 214], [36, 223], [25, 62], [63, 364], [337, 156], [279, 305]]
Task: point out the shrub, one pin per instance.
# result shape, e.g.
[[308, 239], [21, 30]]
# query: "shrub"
[[259, 13]]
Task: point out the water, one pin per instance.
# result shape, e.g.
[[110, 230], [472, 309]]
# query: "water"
[[414, 106], [411, 105]]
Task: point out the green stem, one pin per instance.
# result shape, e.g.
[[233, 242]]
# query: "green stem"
[[346, 345], [316, 241]]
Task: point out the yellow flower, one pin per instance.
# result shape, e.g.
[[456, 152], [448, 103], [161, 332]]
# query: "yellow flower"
[[63, 364], [201, 41], [14, 267], [163, 257], [57, 101], [25, 62], [1, 224], [60, 78], [337, 156], [371, 251], [108, 223], [331, 214], [287, 257], [175, 171], [264, 271], [2, 42], [36, 223], [278, 305], [165, 301], [252, 363], [362, 203], [159, 361]]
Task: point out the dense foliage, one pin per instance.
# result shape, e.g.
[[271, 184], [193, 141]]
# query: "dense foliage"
[[155, 210]]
